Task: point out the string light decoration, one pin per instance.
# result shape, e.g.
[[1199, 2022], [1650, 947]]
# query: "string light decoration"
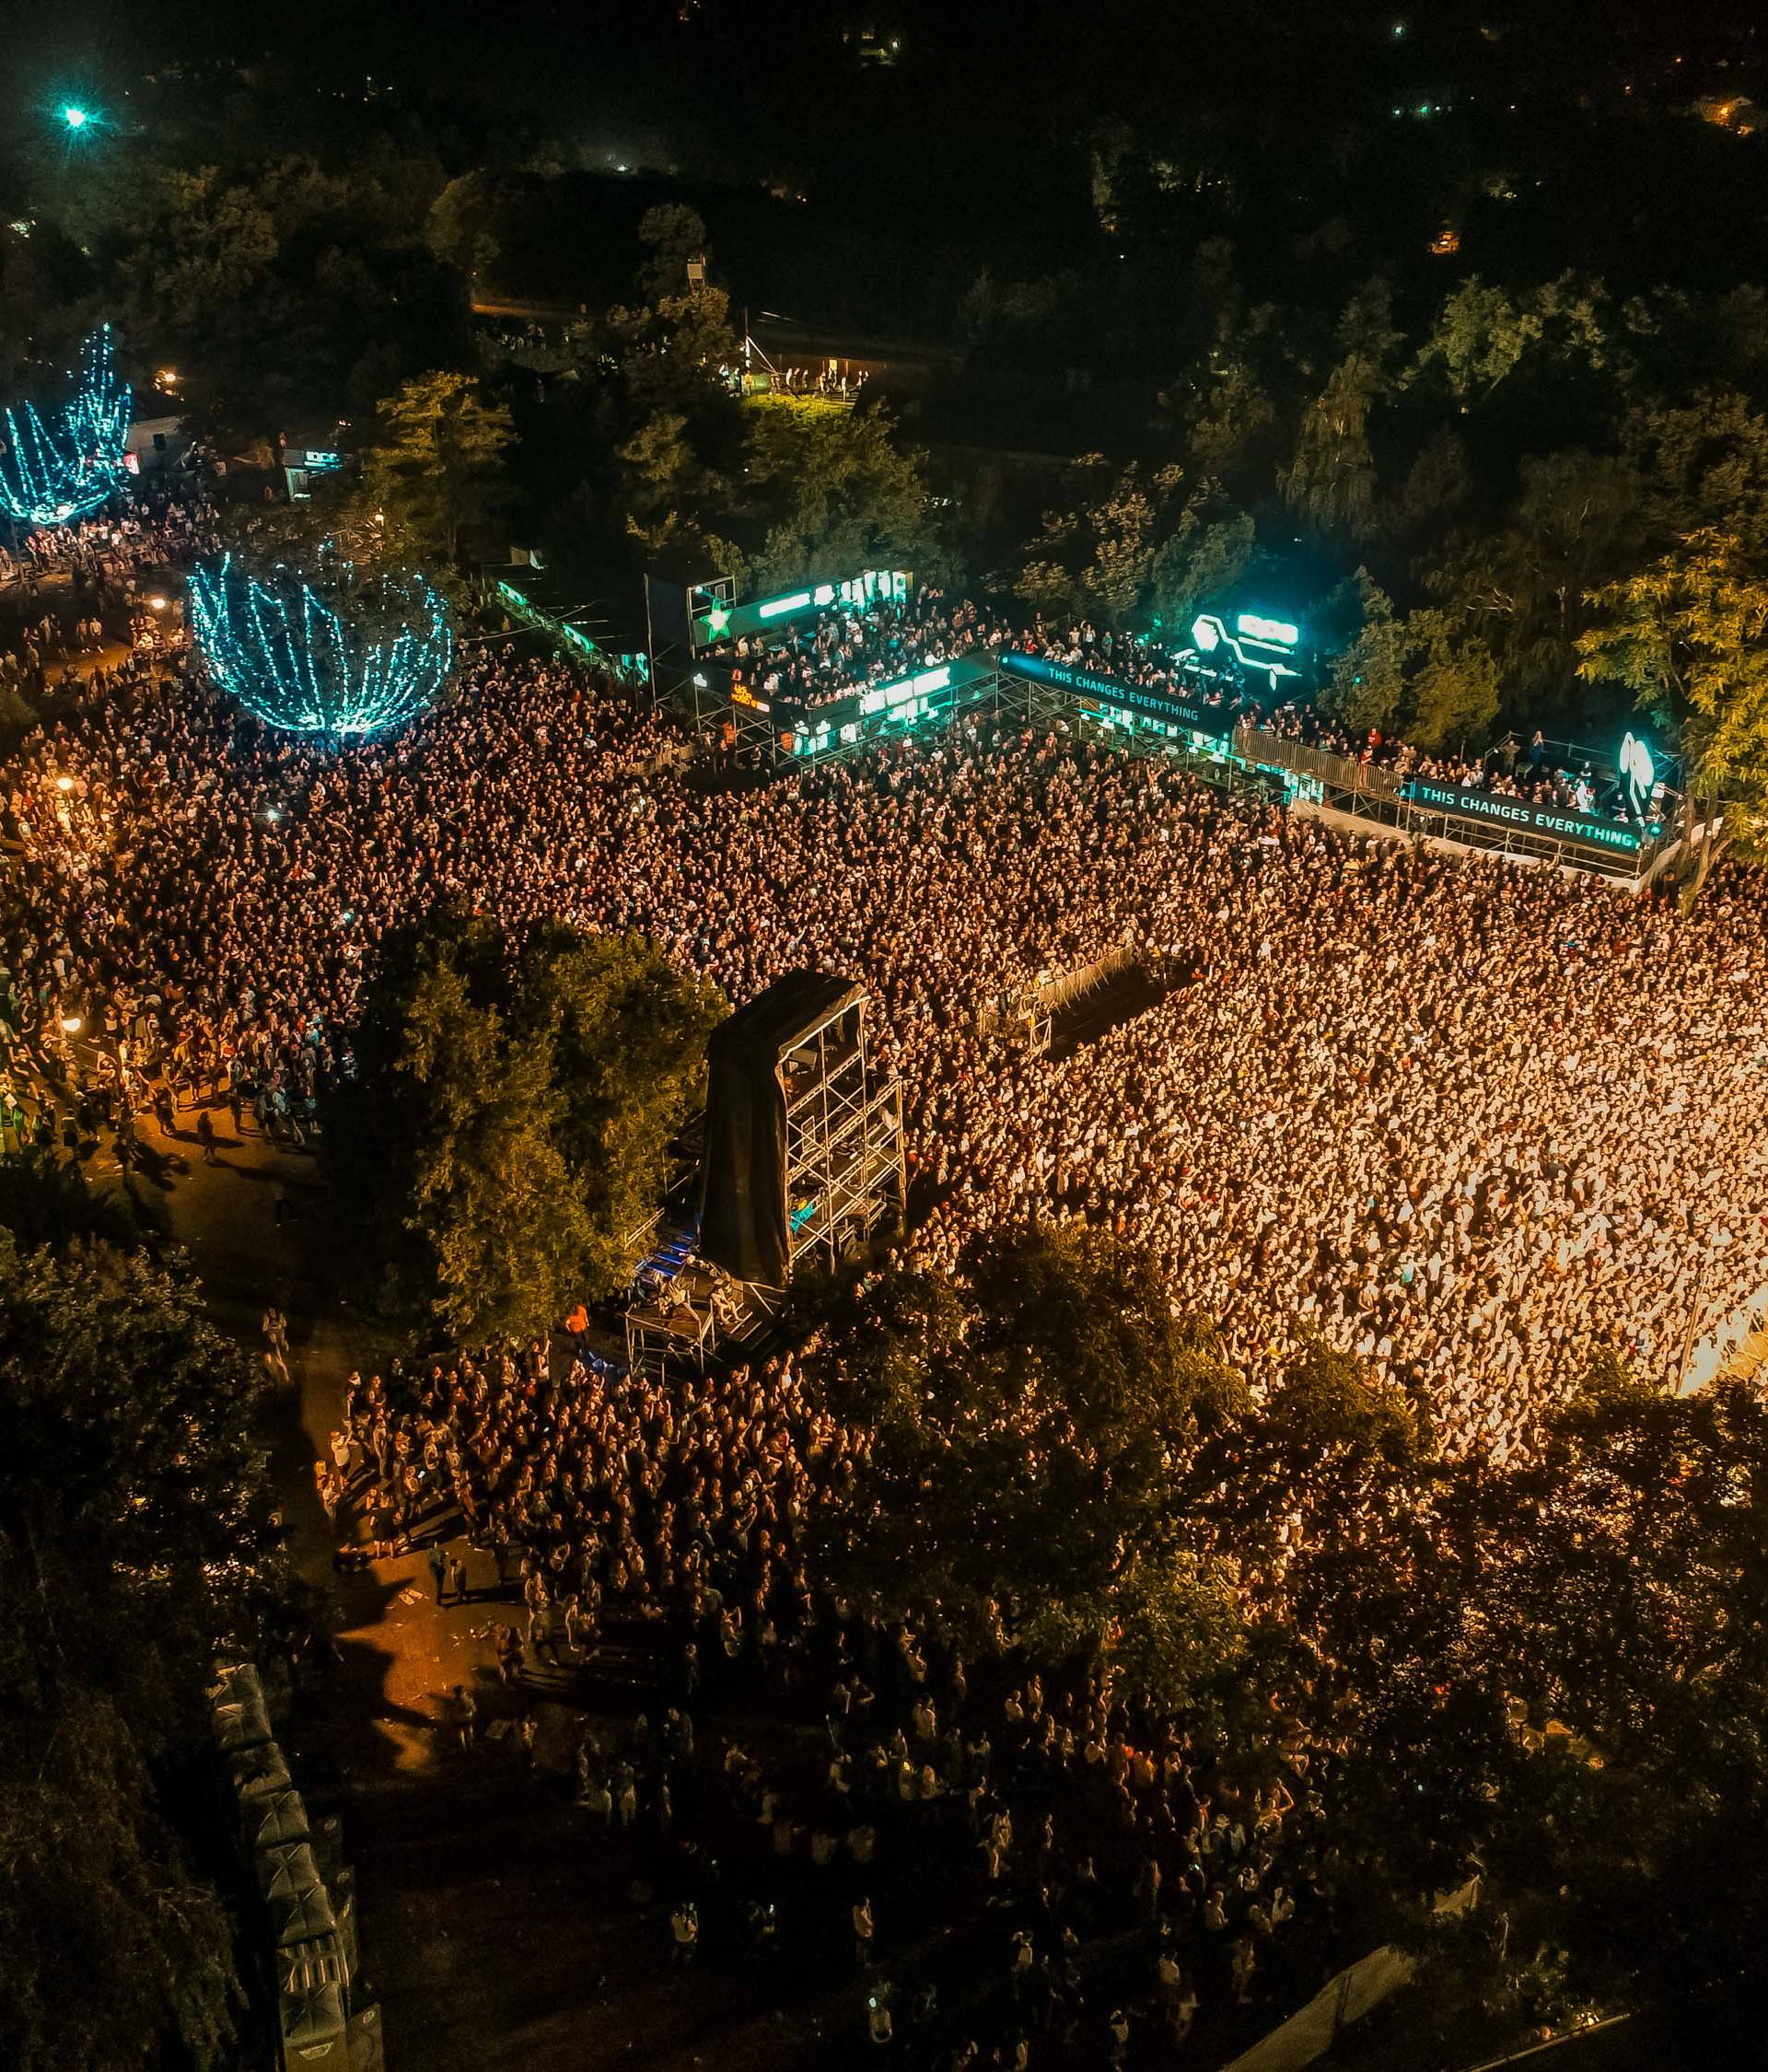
[[332, 652], [66, 465]]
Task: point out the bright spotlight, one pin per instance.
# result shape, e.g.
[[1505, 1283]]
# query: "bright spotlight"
[[74, 116]]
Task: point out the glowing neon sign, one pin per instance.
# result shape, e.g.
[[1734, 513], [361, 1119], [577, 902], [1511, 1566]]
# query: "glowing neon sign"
[[1638, 769], [1522, 814], [1209, 634], [888, 696], [1276, 632]]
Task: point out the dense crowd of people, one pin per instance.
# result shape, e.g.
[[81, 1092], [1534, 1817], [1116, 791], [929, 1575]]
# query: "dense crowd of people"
[[66, 592], [1100, 1875], [1470, 1122], [161, 525]]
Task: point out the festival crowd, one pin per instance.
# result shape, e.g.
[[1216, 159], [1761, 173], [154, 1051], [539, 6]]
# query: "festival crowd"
[[1470, 1122], [1099, 1873]]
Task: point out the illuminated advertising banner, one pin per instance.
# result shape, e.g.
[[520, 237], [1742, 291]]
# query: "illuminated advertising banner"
[[775, 614], [1522, 814], [926, 693], [1144, 700]]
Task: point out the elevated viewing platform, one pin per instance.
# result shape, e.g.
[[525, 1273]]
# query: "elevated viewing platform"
[[1625, 850], [749, 675]]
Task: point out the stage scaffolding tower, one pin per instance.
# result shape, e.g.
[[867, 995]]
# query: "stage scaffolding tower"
[[802, 1083], [844, 1138]]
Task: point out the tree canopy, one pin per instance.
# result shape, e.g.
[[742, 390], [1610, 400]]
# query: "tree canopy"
[[840, 492], [1551, 1672], [1031, 1418], [515, 1105], [1685, 637], [438, 468], [136, 1536]]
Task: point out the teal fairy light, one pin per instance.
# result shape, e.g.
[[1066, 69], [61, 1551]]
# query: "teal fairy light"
[[330, 653], [64, 465]]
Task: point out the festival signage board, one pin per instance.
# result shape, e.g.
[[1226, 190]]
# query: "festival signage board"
[[1526, 815], [1146, 700], [923, 694]]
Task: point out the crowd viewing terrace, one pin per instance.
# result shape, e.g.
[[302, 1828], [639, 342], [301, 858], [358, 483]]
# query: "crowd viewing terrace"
[[832, 668]]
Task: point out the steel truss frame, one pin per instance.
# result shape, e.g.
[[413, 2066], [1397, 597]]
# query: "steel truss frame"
[[844, 1173]]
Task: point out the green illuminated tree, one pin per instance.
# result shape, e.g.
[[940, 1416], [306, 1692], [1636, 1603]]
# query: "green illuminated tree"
[[1107, 558], [659, 474], [1704, 464], [1117, 575], [627, 1035], [461, 227], [489, 1195], [1049, 580], [1484, 336], [280, 289], [439, 468], [1419, 675], [1522, 588], [665, 489], [845, 494], [1233, 427], [1206, 559], [1454, 694], [1371, 674], [1689, 637], [679, 354], [1366, 329], [220, 240], [1048, 587]]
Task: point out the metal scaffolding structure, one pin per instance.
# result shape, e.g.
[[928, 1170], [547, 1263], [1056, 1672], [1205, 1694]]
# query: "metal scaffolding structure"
[[779, 734], [1367, 791], [683, 1324], [843, 1179], [844, 1173]]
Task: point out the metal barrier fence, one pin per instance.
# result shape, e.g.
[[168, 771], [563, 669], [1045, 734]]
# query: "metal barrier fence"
[[1332, 771], [1050, 996], [1032, 1009]]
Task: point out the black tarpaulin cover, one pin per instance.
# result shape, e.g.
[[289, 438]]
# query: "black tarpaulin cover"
[[744, 1224]]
